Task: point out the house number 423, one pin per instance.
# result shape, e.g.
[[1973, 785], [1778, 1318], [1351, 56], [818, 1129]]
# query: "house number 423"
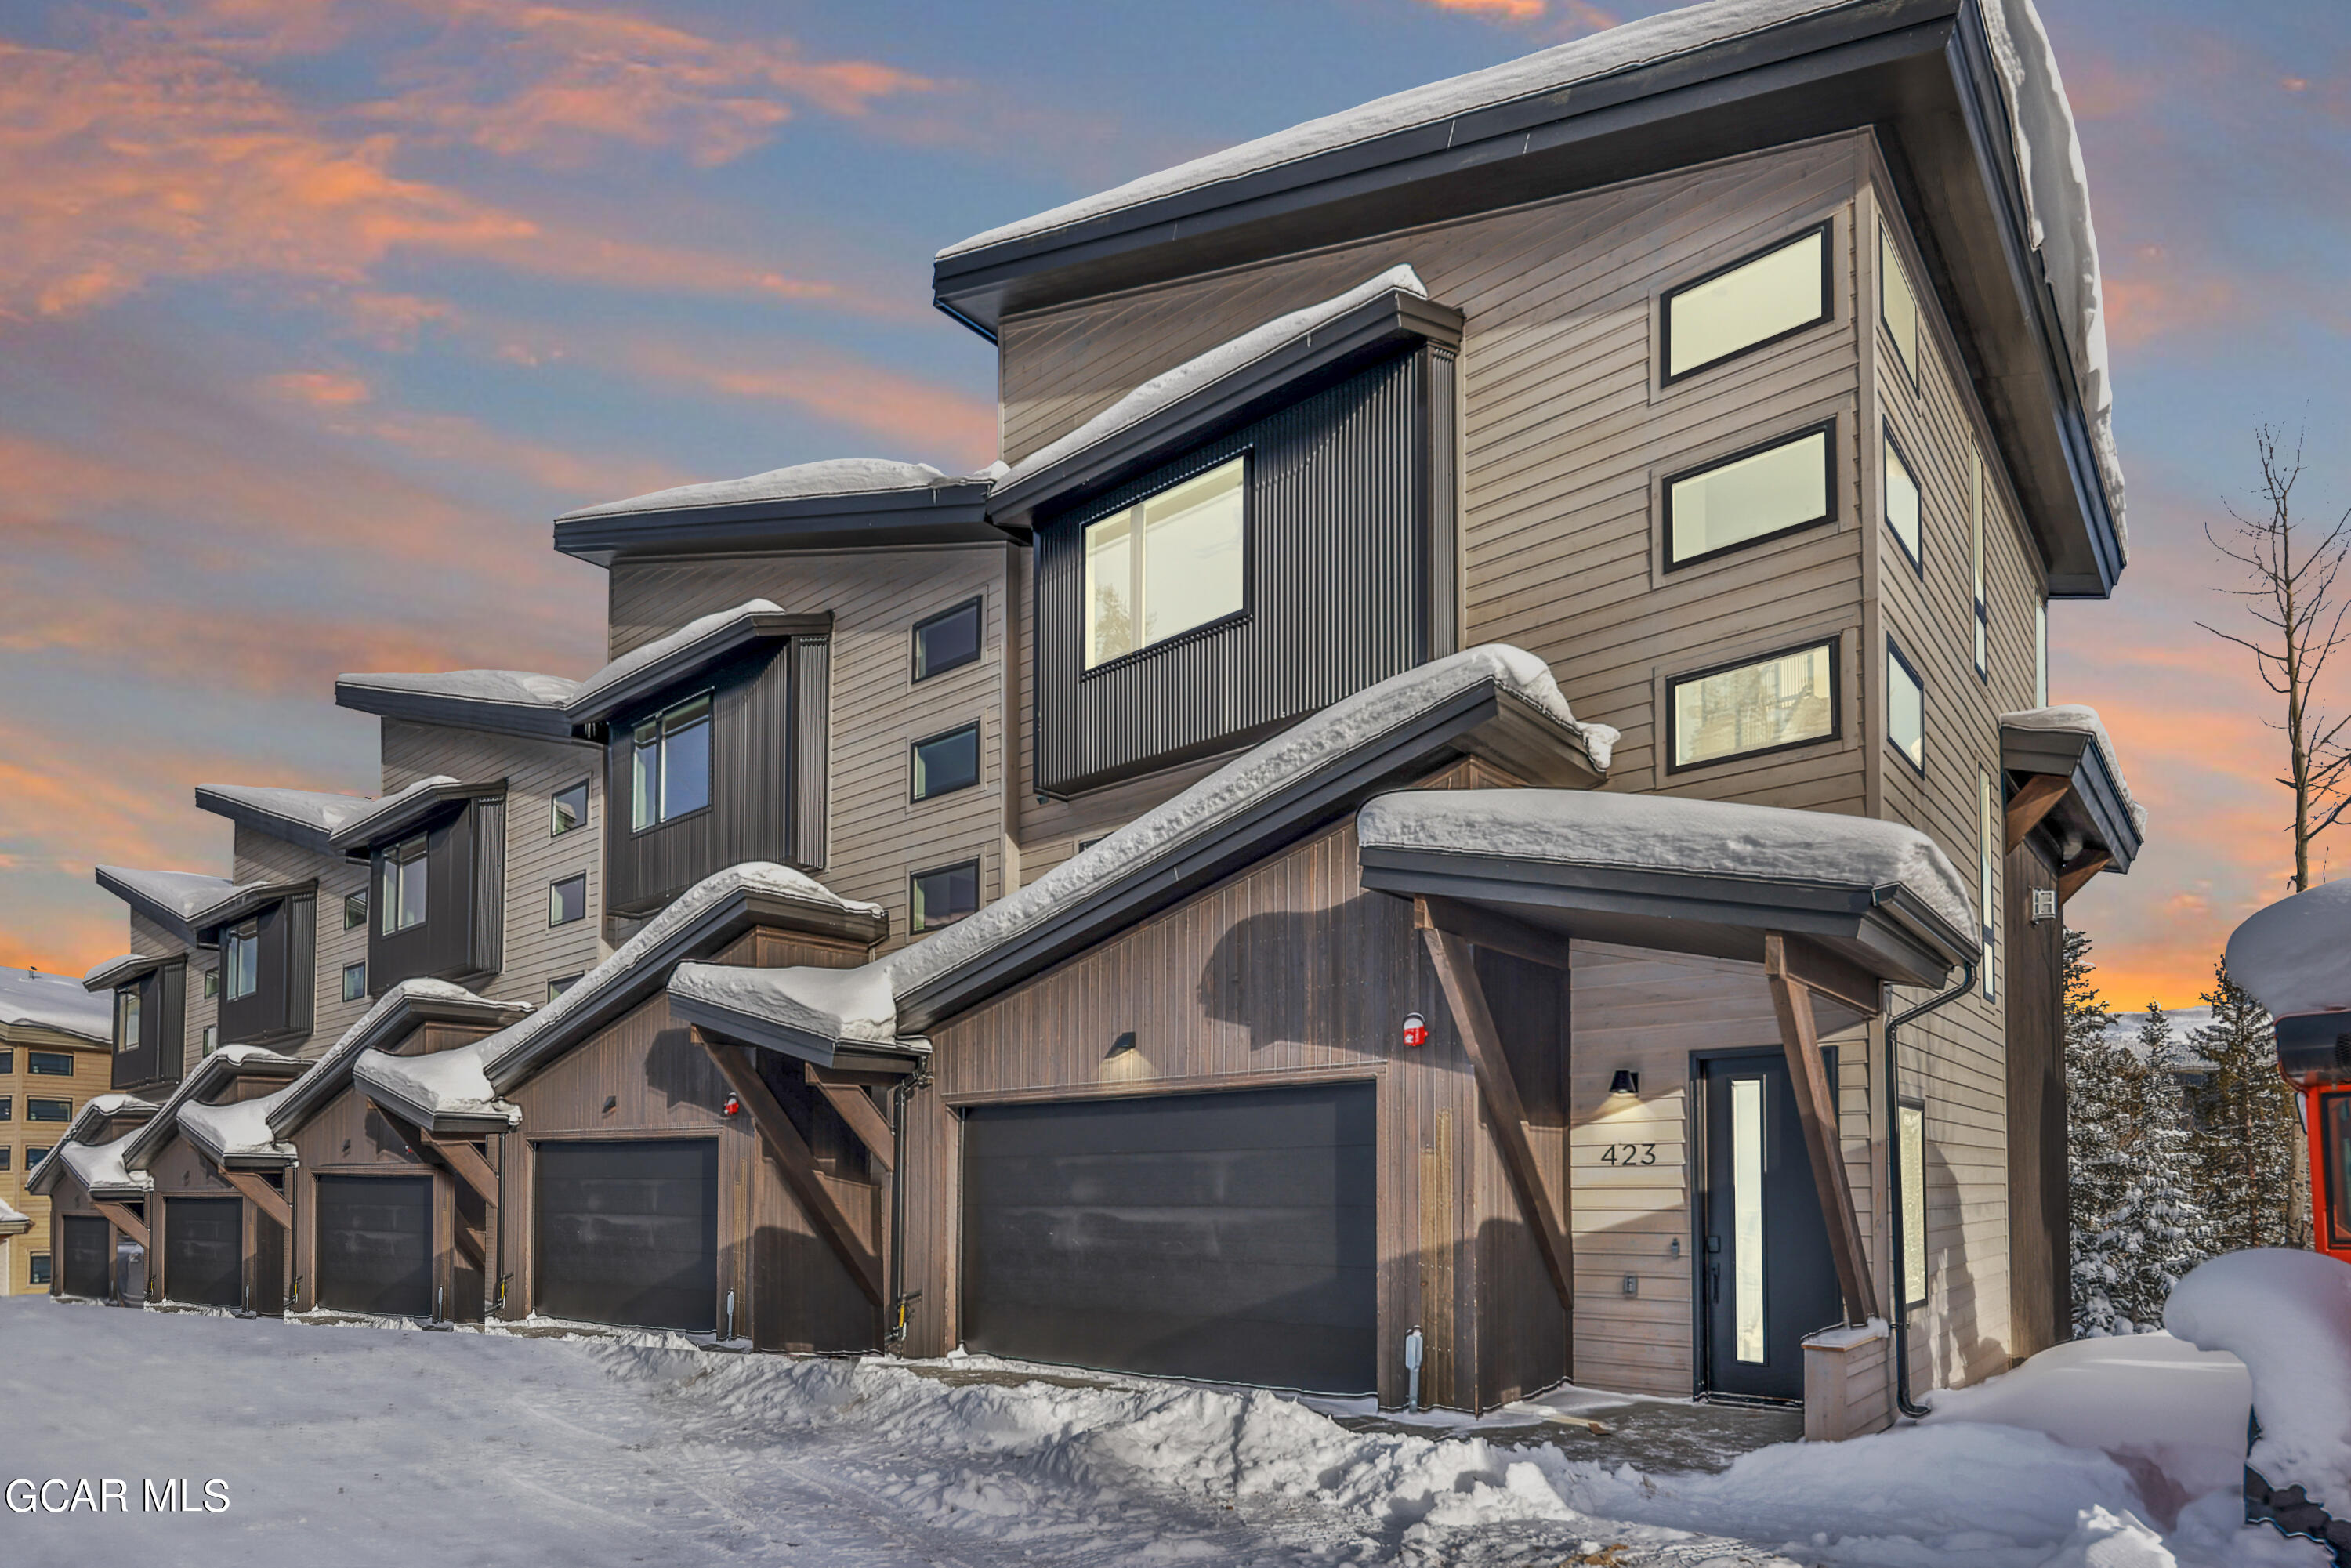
[[1629, 1154]]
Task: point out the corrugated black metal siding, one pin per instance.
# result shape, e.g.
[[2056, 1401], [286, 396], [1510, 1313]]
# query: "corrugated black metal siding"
[[1341, 541], [486, 925], [811, 779]]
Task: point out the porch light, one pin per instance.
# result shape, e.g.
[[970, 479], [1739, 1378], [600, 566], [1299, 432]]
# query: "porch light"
[[1626, 1082]]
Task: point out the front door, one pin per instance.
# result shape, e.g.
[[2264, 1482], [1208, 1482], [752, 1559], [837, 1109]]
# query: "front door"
[[1766, 1278]]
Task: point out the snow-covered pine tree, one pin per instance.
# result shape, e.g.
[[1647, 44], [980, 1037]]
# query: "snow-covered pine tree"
[[2099, 1095], [2247, 1137], [2158, 1231]]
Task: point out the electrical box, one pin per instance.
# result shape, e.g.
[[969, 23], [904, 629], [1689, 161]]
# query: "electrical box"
[[1632, 1284], [2044, 905]]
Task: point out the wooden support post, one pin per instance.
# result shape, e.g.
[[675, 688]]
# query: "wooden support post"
[[265, 1198], [125, 1221], [857, 1109], [2034, 798], [1791, 998], [790, 1152], [1504, 1109], [2076, 873], [464, 1162]]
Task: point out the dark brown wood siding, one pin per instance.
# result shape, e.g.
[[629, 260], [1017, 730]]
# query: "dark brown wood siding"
[[2040, 1270], [351, 1137]]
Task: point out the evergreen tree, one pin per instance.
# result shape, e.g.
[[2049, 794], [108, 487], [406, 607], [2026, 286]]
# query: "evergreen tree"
[[2158, 1231], [2248, 1136], [2099, 1093]]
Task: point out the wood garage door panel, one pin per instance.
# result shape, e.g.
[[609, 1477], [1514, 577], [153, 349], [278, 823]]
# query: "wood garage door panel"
[[1217, 1235], [88, 1261], [375, 1244], [204, 1250], [628, 1232]]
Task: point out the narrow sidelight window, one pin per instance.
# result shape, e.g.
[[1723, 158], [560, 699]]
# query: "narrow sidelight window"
[[1758, 493], [1747, 304], [1168, 563], [354, 916], [209, 1041], [1901, 500], [354, 981], [1906, 708], [566, 809], [1983, 616], [2041, 654], [1896, 304], [1914, 1203], [947, 641], [126, 1021], [945, 763], [49, 1110], [671, 776], [212, 980], [241, 960], [1991, 836], [944, 896], [49, 1063], [567, 901], [401, 889], [1747, 1216], [1784, 700]]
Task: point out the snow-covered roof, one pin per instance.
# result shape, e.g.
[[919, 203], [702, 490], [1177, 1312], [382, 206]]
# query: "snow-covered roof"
[[239, 1131], [2077, 719], [821, 1011], [398, 810], [12, 1222], [2295, 956], [393, 1015], [1205, 370], [2285, 1313], [517, 702], [31, 999], [229, 1062], [94, 1114], [444, 1083], [179, 895], [674, 655], [800, 481], [307, 817], [101, 1168]]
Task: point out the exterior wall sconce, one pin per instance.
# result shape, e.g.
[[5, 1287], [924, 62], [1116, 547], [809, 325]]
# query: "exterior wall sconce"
[[1626, 1082], [2044, 905], [1120, 1046]]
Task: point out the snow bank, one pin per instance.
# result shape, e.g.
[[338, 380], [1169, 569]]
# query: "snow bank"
[[32, 999], [2286, 1314], [831, 476], [2295, 956]]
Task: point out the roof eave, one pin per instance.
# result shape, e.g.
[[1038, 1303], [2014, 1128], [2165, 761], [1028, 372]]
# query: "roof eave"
[[528, 721], [705, 652], [248, 901], [942, 513], [357, 838], [825, 1050], [163, 914], [2076, 757], [330, 1076], [245, 815]]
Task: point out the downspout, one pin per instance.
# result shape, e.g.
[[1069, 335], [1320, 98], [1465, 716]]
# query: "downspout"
[[901, 1302], [1901, 1307], [496, 1307]]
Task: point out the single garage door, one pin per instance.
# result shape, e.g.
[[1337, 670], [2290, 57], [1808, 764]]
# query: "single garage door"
[[88, 1257], [628, 1232], [1227, 1236], [375, 1244], [204, 1250]]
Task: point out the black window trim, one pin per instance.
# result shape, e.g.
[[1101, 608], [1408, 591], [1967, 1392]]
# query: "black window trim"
[[1893, 651], [583, 786], [33, 1067], [1828, 427], [1825, 229], [626, 734], [914, 877], [915, 675], [1834, 642], [360, 965], [581, 878], [1909, 370], [565, 981], [978, 770], [1917, 563], [57, 1111], [1184, 467]]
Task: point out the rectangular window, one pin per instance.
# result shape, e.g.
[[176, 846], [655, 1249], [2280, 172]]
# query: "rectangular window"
[[400, 892], [566, 809], [49, 1063], [2041, 654], [1902, 500], [1914, 1203], [1747, 304], [1984, 618], [1759, 494], [567, 901], [7, 1113], [32, 1157], [945, 763], [1991, 840], [354, 916], [557, 987], [1784, 700], [41, 1268], [212, 978], [8, 1062], [1896, 304], [1168, 563], [1906, 708], [947, 641], [944, 896], [49, 1110], [209, 1041], [7, 1155], [241, 960], [126, 1021], [354, 981], [1747, 1216], [670, 776]]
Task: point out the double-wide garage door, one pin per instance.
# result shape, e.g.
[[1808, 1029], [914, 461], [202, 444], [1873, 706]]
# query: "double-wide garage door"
[[1227, 1237], [204, 1250], [89, 1262], [375, 1244], [628, 1232]]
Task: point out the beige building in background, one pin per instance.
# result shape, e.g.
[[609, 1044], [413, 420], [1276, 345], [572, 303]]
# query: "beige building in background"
[[56, 1053]]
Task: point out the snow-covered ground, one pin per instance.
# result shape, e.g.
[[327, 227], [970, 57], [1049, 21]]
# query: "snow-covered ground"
[[359, 1446]]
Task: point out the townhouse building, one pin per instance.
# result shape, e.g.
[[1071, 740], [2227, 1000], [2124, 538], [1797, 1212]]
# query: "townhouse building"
[[55, 1054]]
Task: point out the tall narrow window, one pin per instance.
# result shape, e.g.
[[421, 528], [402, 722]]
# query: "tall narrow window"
[[1991, 838], [944, 896], [354, 916], [947, 641], [1747, 1216], [400, 892], [1747, 304], [126, 1021], [1914, 1203], [1168, 563], [1984, 618], [209, 1041], [1750, 495], [670, 773], [241, 961], [1784, 700], [2334, 1162], [566, 809], [212, 979], [2041, 653], [1901, 500], [1905, 708], [354, 981], [39, 1265], [945, 763], [567, 901], [1896, 304]]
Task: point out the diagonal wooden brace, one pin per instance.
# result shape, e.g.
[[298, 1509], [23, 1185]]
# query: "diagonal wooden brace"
[[856, 1108], [1791, 998], [2034, 800], [261, 1195], [464, 1162], [125, 1221]]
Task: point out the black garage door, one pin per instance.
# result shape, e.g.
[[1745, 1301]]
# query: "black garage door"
[[375, 1244], [204, 1250], [1217, 1235], [628, 1233], [90, 1261]]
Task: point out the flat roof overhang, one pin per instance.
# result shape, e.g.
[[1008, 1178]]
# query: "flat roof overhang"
[[398, 816], [601, 698], [247, 900], [2093, 806], [1919, 72], [534, 721], [937, 515]]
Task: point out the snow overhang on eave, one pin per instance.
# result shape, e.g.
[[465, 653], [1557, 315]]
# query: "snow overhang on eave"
[[2295, 957], [630, 681], [398, 1014], [955, 512], [397, 815], [225, 1066], [251, 899], [1447, 845], [1391, 320], [388, 697], [799, 1014], [252, 808], [119, 972], [12, 1223], [176, 916], [1919, 72], [276, 1158], [2097, 806]]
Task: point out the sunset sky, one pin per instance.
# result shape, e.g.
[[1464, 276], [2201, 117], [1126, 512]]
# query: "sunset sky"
[[314, 312]]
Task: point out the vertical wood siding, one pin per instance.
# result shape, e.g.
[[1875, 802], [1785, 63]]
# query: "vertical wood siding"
[[2040, 1288]]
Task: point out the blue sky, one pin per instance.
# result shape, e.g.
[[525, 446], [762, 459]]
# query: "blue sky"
[[314, 312]]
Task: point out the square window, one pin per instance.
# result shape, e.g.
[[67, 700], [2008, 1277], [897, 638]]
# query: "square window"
[[1168, 563], [354, 916], [1759, 300], [354, 981], [1897, 305], [1902, 500], [32, 1157], [944, 896], [1905, 708], [566, 810], [50, 1063], [41, 1268], [945, 763], [557, 987], [1787, 700], [567, 901], [1750, 496], [947, 641], [49, 1110]]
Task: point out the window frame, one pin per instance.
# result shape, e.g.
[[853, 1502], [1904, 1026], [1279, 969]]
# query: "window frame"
[[358, 968], [555, 799], [659, 719], [1991, 831], [1895, 656], [1889, 257], [1822, 427], [246, 936], [212, 980], [1182, 474], [45, 1064], [1834, 642], [128, 1028], [32, 1157], [393, 861], [914, 922], [1890, 442], [38, 1269], [978, 604], [56, 1112], [556, 886], [1825, 229], [7, 1113], [978, 769], [561, 983], [208, 1040]]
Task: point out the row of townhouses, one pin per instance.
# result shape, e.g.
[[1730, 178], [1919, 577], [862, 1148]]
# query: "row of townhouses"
[[1474, 802]]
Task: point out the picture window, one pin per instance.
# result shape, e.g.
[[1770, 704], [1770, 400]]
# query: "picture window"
[[947, 641], [1786, 699], [1170, 562], [1750, 496], [567, 901], [1747, 304], [945, 763]]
